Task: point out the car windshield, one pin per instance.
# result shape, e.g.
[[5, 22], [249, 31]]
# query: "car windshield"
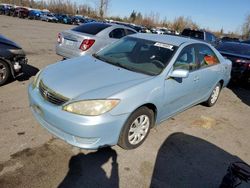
[[235, 48], [138, 55]]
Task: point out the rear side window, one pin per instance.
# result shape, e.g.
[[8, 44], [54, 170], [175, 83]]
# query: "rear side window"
[[91, 28], [206, 56], [117, 33]]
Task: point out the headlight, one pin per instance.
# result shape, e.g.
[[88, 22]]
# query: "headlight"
[[17, 51], [34, 83], [91, 107]]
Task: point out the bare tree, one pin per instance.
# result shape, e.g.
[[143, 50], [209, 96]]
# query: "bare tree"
[[246, 28], [181, 22], [102, 6]]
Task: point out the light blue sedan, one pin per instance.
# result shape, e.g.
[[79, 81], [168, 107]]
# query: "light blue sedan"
[[117, 95]]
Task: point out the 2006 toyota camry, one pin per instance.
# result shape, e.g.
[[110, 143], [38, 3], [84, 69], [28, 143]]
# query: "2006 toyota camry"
[[117, 95]]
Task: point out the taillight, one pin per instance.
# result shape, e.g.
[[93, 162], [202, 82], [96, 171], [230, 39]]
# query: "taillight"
[[59, 38], [86, 44], [242, 61]]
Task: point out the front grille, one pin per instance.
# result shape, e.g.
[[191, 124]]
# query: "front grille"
[[50, 95]]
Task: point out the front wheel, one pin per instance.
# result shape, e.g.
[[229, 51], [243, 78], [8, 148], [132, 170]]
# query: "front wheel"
[[214, 96], [136, 128], [4, 72]]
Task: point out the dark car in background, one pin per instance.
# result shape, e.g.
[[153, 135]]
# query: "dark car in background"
[[6, 9], [246, 41], [21, 12], [12, 59], [2, 9], [201, 35], [63, 18], [239, 54], [34, 14], [229, 39], [78, 20]]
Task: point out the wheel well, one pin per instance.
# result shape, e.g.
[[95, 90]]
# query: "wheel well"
[[153, 108], [221, 82]]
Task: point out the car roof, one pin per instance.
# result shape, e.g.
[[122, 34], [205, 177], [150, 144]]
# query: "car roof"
[[169, 39]]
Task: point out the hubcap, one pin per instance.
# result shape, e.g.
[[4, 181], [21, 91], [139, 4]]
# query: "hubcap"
[[215, 94], [3, 71], [138, 129]]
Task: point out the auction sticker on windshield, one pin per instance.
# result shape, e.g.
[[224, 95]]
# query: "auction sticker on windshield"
[[162, 45]]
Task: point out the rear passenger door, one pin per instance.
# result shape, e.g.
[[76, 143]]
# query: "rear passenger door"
[[209, 69]]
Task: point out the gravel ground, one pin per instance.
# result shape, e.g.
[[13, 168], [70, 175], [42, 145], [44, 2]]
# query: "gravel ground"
[[192, 149]]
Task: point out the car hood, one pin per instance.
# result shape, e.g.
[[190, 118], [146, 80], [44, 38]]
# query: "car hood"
[[87, 77], [7, 41]]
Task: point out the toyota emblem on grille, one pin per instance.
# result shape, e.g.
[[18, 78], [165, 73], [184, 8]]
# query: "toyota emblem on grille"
[[46, 94]]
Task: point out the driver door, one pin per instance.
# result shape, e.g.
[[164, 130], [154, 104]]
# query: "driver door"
[[179, 93]]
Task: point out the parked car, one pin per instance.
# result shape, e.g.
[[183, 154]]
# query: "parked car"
[[201, 35], [12, 58], [34, 14], [3, 7], [89, 38], [48, 17], [239, 54], [63, 18], [21, 12], [118, 94], [229, 39], [78, 20], [9, 10], [246, 41]]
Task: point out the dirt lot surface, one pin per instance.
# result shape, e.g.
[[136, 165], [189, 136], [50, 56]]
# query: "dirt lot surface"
[[192, 149]]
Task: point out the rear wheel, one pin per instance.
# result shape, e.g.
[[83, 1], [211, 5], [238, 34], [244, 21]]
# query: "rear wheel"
[[214, 96], [136, 128], [4, 72]]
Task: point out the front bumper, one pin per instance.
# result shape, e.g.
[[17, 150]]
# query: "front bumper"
[[88, 132]]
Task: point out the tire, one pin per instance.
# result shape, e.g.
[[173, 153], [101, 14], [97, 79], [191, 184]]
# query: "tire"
[[214, 95], [144, 117], [4, 72]]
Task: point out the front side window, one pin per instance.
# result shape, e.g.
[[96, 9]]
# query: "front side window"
[[186, 59], [138, 55], [206, 56]]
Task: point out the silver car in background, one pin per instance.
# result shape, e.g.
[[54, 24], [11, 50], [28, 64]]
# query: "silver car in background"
[[48, 17], [89, 38]]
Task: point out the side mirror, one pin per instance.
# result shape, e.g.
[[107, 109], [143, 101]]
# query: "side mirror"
[[179, 73]]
